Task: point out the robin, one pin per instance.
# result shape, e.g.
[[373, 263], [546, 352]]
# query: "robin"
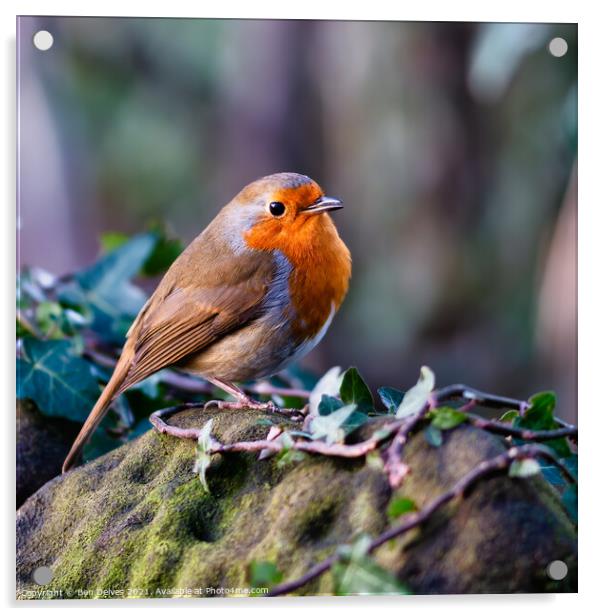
[[255, 291]]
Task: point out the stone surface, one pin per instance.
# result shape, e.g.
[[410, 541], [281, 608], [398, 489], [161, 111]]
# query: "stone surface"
[[138, 518]]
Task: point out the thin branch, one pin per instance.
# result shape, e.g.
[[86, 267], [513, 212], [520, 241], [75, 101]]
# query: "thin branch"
[[395, 469], [317, 447], [499, 427], [413, 520], [480, 397]]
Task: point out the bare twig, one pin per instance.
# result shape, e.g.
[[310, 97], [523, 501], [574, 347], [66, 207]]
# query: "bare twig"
[[395, 469], [413, 520], [318, 447], [499, 427]]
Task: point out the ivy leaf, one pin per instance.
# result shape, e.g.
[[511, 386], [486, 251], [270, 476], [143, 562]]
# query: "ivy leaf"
[[524, 468], [399, 506], [165, 252], [446, 418], [510, 416], [328, 385], [203, 454], [264, 574], [331, 427], [112, 240], [355, 573], [417, 396], [329, 404], [433, 436], [56, 379], [540, 416], [105, 288], [355, 391], [391, 398]]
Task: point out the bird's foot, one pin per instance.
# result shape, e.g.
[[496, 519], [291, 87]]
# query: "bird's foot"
[[249, 404]]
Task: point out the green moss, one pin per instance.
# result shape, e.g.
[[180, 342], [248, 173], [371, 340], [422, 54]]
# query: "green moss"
[[139, 518]]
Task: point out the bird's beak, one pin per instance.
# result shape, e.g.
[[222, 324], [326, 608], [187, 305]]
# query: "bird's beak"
[[323, 204]]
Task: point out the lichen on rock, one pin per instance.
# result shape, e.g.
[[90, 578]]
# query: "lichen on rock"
[[138, 518]]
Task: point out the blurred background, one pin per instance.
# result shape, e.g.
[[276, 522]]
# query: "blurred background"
[[453, 146]]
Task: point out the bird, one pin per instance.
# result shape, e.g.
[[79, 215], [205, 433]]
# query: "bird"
[[252, 293]]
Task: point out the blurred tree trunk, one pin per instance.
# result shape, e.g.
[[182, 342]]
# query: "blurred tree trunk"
[[557, 309]]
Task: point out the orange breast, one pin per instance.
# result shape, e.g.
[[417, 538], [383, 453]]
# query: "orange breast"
[[321, 268]]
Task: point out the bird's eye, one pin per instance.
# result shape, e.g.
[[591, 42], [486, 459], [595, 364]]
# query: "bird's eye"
[[277, 209]]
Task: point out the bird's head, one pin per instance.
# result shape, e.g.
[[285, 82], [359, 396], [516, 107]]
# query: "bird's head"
[[281, 211]]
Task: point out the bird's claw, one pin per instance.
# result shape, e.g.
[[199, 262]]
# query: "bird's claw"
[[254, 405]]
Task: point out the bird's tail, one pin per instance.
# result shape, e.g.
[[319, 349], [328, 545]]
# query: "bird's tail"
[[110, 392]]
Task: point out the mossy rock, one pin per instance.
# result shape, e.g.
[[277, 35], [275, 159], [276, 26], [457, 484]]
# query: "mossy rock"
[[138, 518]]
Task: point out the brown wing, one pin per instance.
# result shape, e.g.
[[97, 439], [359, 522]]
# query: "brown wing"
[[209, 291], [190, 318]]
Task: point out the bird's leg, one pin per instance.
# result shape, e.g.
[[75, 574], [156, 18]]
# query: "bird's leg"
[[243, 401]]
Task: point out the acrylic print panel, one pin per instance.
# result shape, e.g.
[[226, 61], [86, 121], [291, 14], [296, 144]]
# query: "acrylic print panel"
[[399, 207]]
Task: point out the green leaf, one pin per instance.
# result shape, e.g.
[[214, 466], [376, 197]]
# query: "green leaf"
[[264, 574], [56, 379], [105, 288], [203, 454], [446, 418], [328, 385], [433, 436], [399, 506], [49, 317], [355, 391], [166, 251], [510, 416], [524, 468], [417, 396], [391, 398], [329, 404], [355, 573], [112, 240], [540, 416]]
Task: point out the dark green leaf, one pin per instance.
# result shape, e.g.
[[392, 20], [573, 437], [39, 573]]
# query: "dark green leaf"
[[329, 385], [446, 418], [329, 404], [540, 416], [105, 288], [355, 391], [399, 506], [56, 379], [166, 251], [433, 436], [391, 398]]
